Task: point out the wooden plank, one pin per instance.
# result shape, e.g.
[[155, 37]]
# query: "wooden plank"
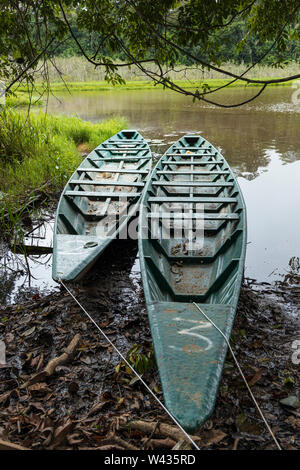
[[192, 162], [106, 205], [106, 183], [139, 172], [191, 154], [179, 172], [112, 141], [204, 200], [98, 195], [117, 159], [192, 148], [122, 149], [123, 139], [191, 184], [199, 215]]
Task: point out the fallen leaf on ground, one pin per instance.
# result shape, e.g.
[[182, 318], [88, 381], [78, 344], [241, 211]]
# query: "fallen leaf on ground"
[[162, 443], [86, 360], [212, 437], [9, 337], [256, 377], [119, 403], [295, 422], [39, 387], [98, 406], [291, 401], [29, 332], [61, 433], [105, 323], [245, 425]]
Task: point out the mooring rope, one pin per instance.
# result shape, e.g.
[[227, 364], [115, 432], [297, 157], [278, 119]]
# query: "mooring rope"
[[130, 366], [243, 377]]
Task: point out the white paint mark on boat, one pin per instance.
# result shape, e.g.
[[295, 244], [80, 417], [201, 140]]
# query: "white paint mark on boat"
[[199, 324]]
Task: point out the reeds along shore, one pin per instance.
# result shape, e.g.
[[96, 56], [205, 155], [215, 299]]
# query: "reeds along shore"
[[77, 69], [77, 74]]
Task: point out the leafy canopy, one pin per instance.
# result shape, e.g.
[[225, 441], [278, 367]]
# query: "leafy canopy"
[[144, 32]]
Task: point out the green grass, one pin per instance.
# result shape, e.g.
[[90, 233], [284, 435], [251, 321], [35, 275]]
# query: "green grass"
[[144, 85], [39, 152], [81, 76], [22, 99]]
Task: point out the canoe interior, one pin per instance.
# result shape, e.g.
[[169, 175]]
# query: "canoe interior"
[[192, 247], [191, 256], [97, 202]]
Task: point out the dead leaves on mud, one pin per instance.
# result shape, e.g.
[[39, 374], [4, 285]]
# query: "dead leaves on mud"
[[90, 400]]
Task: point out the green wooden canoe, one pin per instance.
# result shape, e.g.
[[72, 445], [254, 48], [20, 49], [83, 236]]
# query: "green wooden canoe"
[[98, 202], [192, 239]]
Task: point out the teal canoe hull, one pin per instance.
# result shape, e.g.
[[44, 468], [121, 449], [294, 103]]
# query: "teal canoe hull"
[[184, 264], [98, 202]]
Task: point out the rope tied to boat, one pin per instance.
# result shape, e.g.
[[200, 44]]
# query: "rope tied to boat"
[[242, 375], [129, 365]]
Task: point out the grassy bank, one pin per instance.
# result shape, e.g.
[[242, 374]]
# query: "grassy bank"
[[80, 76], [22, 99], [77, 75], [39, 152]]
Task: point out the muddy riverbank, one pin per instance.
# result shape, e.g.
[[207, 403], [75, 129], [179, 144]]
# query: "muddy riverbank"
[[88, 400]]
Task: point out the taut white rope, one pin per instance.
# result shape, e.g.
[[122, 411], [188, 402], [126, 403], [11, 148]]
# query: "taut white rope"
[[130, 366], [243, 377]]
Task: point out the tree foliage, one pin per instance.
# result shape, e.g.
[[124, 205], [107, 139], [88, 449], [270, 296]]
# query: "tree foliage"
[[114, 33]]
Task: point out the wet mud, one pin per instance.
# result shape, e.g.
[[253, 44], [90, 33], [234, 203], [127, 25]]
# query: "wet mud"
[[89, 400]]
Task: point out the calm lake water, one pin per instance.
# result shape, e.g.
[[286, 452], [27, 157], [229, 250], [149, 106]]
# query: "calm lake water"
[[259, 140]]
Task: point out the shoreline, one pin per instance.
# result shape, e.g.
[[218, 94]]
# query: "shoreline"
[[144, 85], [93, 392]]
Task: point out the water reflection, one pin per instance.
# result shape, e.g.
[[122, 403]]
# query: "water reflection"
[[23, 276], [26, 271], [272, 201], [242, 134], [260, 142]]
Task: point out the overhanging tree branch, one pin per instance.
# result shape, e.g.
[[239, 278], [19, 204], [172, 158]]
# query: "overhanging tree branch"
[[92, 61], [134, 28], [208, 65], [30, 65], [172, 86], [251, 66]]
